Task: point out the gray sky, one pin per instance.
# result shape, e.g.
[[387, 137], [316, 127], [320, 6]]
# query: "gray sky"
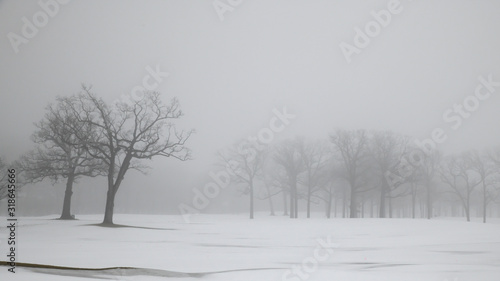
[[230, 74]]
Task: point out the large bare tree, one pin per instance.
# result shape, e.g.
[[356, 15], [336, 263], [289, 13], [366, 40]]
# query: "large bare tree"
[[126, 133], [60, 154]]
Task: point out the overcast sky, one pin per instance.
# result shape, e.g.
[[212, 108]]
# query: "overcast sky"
[[229, 75]]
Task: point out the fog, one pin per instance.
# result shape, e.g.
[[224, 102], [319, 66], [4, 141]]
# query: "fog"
[[231, 75]]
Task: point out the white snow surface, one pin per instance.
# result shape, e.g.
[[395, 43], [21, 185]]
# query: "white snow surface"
[[234, 248]]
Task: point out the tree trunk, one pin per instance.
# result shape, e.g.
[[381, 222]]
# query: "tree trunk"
[[422, 208], [329, 205], [467, 209], [344, 204], [113, 187], [362, 209], [309, 202], [485, 202], [390, 206], [334, 206], [381, 213], [294, 200], [296, 207], [110, 205], [66, 211], [285, 207], [271, 205], [353, 208], [251, 201], [413, 207], [429, 201], [371, 208]]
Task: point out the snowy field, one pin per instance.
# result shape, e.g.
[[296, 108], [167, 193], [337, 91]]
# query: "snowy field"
[[234, 248]]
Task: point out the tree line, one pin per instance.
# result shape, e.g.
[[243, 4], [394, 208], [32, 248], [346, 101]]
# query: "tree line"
[[364, 170]]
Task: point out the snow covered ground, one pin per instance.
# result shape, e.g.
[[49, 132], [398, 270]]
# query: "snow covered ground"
[[234, 248]]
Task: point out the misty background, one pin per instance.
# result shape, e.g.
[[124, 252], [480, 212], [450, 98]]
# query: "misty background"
[[229, 76]]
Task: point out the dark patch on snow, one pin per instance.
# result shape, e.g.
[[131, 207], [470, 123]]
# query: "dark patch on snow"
[[462, 252], [357, 249], [227, 246], [387, 265], [112, 272], [126, 226]]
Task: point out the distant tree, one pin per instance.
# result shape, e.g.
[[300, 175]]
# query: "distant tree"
[[60, 154], [276, 180], [456, 173], [487, 173], [386, 149], [245, 161], [273, 182], [314, 159], [3, 179], [328, 197], [17, 178], [352, 148], [414, 188], [494, 156], [338, 187], [267, 193], [288, 157], [332, 184], [428, 170], [126, 133]]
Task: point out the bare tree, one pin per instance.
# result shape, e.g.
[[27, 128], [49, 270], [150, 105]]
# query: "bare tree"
[[486, 171], [124, 134], [10, 174], [456, 173], [276, 180], [427, 170], [269, 190], [414, 182], [3, 179], [288, 157], [332, 185], [314, 156], [386, 149], [494, 157], [352, 147], [245, 161], [60, 153]]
